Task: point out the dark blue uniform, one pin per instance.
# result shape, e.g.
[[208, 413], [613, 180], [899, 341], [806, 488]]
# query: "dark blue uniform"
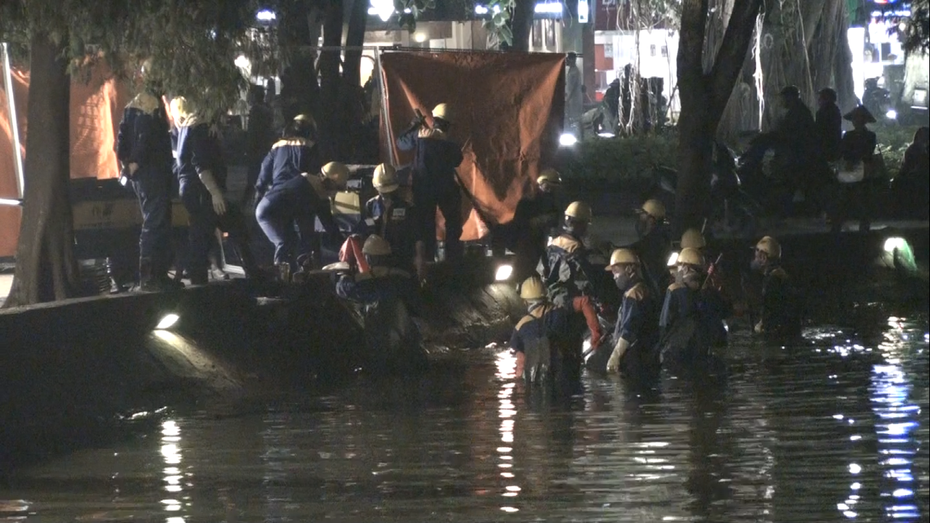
[[637, 323], [392, 218], [550, 339], [435, 160], [565, 270], [288, 198], [691, 323], [145, 139], [199, 150], [780, 313]]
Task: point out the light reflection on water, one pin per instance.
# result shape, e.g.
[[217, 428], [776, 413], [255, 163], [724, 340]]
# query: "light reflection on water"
[[834, 428]]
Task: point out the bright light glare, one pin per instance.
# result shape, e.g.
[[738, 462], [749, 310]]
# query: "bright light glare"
[[167, 321], [894, 243], [548, 8], [419, 37], [673, 260], [503, 273], [265, 15], [242, 62], [567, 140], [891, 114], [383, 8], [606, 135]]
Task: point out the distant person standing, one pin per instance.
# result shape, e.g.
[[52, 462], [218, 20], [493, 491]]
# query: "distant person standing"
[[912, 184], [857, 150], [828, 126], [143, 147], [574, 94]]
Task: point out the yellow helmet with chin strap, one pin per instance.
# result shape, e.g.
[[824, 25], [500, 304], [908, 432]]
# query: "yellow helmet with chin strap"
[[532, 288], [443, 112], [654, 208], [376, 246], [770, 247], [693, 238], [385, 178], [690, 256], [337, 172], [550, 176], [622, 256], [579, 211]]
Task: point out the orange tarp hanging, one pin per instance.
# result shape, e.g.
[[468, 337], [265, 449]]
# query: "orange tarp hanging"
[[97, 100], [507, 111]]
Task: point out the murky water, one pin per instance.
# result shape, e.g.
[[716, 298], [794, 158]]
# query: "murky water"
[[833, 429]]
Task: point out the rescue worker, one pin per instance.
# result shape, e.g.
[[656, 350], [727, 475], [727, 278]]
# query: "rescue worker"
[[391, 216], [143, 147], [535, 219], [635, 333], [385, 296], [564, 268], [691, 321], [287, 198], [548, 340], [779, 315], [201, 174], [436, 157], [691, 238], [654, 246]]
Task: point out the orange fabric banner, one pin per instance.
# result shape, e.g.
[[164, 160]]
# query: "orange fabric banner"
[[507, 115], [97, 102]]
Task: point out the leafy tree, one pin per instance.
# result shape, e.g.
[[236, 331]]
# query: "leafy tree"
[[192, 46]]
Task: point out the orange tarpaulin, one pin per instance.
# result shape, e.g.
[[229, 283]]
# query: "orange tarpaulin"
[[97, 100], [507, 110]]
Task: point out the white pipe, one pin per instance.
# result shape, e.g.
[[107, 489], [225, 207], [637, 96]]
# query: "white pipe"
[[14, 121]]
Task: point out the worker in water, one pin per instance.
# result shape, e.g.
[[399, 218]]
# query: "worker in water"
[[535, 220], [143, 147], [201, 172], [436, 157], [635, 333], [548, 340], [390, 216], [779, 315], [286, 198], [654, 246], [386, 297], [564, 268], [691, 321], [691, 238]]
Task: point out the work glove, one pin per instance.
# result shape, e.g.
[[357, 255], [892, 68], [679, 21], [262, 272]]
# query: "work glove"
[[619, 350], [216, 194]]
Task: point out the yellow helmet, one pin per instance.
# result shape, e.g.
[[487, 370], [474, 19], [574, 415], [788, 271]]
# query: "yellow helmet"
[[550, 176], [693, 238], [305, 119], [690, 256], [622, 256], [385, 178], [579, 211], [769, 246], [179, 109], [337, 172], [654, 208], [443, 111], [532, 288], [376, 246]]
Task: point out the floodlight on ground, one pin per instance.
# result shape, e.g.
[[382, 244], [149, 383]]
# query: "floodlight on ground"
[[167, 321], [567, 140], [894, 243], [891, 114], [503, 272]]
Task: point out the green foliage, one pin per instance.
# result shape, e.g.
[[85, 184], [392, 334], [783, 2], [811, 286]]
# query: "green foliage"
[[191, 45], [499, 23], [617, 160], [892, 142], [409, 11]]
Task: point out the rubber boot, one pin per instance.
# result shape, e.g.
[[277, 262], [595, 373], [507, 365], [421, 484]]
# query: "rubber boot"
[[146, 282]]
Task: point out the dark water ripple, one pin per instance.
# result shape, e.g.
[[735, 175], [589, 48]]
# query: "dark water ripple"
[[834, 428]]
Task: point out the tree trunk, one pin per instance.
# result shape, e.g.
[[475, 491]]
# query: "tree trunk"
[[330, 82], [355, 37], [352, 103], [300, 92], [46, 269], [704, 96], [521, 22]]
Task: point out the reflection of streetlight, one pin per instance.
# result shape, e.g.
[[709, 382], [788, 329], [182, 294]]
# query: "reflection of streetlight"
[[171, 455], [506, 372]]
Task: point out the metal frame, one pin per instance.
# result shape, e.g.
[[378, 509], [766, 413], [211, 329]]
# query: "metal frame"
[[14, 128]]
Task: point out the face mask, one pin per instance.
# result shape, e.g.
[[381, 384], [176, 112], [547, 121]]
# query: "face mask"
[[679, 277], [756, 265], [690, 278], [622, 280]]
